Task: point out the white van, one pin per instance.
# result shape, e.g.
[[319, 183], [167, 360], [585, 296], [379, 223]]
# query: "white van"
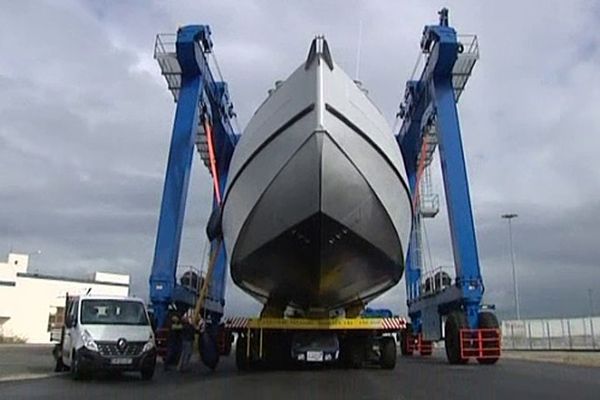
[[106, 333]]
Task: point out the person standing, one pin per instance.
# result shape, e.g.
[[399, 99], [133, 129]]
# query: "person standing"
[[188, 334], [174, 343]]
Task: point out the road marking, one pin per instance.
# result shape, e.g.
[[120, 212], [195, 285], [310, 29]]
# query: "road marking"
[[24, 377]]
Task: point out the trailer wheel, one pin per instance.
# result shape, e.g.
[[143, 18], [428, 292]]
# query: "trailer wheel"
[[387, 357], [405, 341], [357, 353], [456, 321], [241, 361], [352, 352], [488, 320]]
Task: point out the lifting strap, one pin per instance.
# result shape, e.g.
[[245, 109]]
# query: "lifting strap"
[[204, 289], [212, 158]]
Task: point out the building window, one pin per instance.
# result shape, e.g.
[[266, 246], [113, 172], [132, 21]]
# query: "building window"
[[56, 319]]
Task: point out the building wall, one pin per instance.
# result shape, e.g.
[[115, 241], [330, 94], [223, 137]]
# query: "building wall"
[[26, 306]]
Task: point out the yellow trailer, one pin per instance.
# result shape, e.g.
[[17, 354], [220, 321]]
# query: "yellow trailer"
[[279, 341]]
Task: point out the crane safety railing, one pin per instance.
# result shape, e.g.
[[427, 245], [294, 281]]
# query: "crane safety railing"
[[467, 57]]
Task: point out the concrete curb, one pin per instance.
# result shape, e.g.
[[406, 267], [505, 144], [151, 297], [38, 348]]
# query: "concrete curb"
[[584, 359]]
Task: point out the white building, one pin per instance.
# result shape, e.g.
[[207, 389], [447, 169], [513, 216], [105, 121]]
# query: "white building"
[[30, 302]]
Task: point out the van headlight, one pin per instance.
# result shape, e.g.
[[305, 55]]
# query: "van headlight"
[[148, 346], [88, 341], [301, 357]]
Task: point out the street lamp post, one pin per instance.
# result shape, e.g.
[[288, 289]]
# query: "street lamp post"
[[509, 218]]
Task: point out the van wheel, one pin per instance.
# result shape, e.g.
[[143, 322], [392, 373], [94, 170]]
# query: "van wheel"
[[147, 373], [76, 372], [60, 366]]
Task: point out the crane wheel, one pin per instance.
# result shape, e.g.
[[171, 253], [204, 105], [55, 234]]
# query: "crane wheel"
[[488, 320], [387, 358], [456, 321]]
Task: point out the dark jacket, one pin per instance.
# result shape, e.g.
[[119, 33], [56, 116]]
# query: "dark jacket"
[[188, 332]]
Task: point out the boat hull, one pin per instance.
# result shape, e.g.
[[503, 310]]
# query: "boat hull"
[[316, 212]]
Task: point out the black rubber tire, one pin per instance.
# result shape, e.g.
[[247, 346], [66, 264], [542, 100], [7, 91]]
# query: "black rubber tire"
[[405, 336], [241, 361], [387, 357], [345, 353], [208, 349], [456, 321], [76, 371], [147, 373], [488, 320], [277, 351], [60, 366], [356, 354]]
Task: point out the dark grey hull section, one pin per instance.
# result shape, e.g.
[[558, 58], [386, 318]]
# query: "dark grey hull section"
[[318, 237]]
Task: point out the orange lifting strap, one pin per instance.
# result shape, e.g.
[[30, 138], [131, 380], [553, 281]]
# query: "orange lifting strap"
[[212, 158]]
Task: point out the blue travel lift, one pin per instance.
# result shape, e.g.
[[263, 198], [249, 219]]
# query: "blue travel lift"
[[204, 119], [430, 120]]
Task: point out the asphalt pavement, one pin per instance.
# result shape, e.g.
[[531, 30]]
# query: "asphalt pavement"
[[414, 378]]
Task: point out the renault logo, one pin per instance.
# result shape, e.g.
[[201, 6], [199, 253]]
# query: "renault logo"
[[122, 344]]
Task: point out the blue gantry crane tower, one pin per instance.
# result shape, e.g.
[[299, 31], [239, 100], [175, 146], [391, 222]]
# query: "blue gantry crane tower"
[[204, 119], [430, 122]]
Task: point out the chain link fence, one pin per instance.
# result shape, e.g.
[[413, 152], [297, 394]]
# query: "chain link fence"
[[552, 334]]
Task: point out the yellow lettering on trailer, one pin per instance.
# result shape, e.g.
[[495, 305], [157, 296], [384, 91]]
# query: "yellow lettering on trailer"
[[327, 324]]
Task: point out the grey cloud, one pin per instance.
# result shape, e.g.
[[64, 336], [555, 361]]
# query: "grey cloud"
[[85, 122]]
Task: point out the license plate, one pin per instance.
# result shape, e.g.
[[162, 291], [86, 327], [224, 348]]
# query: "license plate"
[[314, 356], [121, 361]]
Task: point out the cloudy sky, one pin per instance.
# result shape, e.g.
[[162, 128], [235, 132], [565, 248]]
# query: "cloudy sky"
[[85, 120]]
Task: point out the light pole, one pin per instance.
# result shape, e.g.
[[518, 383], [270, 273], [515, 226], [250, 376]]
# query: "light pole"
[[509, 218]]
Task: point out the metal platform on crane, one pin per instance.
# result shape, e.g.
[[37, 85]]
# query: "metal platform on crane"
[[165, 54], [463, 67], [464, 63]]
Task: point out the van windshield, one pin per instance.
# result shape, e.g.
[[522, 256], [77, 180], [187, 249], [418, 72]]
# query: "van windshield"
[[113, 312]]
